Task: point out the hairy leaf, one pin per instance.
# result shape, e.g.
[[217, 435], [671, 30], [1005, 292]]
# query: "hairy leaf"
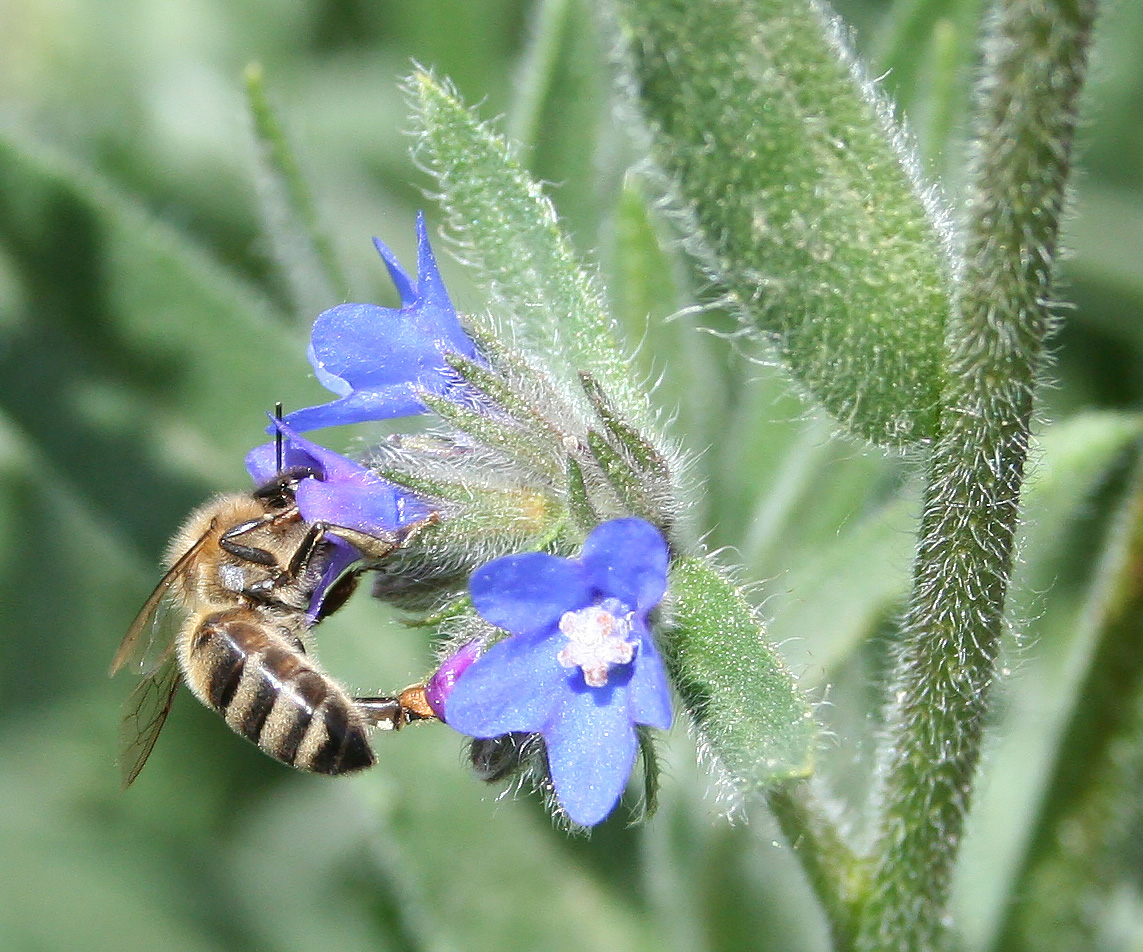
[[801, 199]]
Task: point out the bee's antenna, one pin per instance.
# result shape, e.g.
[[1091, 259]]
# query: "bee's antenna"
[[278, 435]]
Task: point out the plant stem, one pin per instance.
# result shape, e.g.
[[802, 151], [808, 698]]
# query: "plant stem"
[[815, 835], [1034, 62]]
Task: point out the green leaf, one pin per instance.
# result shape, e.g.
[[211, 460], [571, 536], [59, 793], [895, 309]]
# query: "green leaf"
[[624, 480], [508, 229], [833, 599], [754, 724], [518, 442], [579, 503], [644, 456], [800, 198]]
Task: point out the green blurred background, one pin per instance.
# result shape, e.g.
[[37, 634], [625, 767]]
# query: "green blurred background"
[[144, 331]]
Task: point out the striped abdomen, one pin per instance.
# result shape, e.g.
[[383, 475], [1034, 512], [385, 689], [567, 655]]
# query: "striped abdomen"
[[270, 693]]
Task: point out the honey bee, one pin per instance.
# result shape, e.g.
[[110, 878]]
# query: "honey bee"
[[244, 569]]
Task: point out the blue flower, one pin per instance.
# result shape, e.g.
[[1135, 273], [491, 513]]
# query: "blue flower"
[[338, 491], [377, 358], [579, 667]]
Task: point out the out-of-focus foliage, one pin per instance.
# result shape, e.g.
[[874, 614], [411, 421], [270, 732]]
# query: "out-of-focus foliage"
[[144, 331]]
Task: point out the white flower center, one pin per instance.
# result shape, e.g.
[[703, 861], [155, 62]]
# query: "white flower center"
[[597, 639]]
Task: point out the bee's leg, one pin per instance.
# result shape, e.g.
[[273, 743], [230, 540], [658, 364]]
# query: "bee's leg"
[[338, 593], [248, 553], [376, 547], [393, 713], [383, 712], [266, 590], [373, 547], [304, 553], [414, 530]]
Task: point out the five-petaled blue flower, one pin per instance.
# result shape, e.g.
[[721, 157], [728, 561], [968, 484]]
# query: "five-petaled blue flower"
[[579, 667], [338, 491], [376, 358]]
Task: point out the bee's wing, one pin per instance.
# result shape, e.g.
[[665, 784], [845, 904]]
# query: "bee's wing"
[[134, 647], [144, 714]]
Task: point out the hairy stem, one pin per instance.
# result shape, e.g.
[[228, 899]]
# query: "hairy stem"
[[1034, 62]]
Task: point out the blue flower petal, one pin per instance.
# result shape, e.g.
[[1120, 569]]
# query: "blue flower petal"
[[591, 750], [400, 277], [343, 555], [262, 462], [361, 406], [376, 359], [362, 346], [298, 453], [367, 508], [437, 315], [341, 492], [520, 685], [439, 687], [515, 686], [529, 592], [627, 559], [648, 690]]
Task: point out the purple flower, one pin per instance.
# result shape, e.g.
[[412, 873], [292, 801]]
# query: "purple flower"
[[339, 492], [579, 666], [377, 358], [440, 685]]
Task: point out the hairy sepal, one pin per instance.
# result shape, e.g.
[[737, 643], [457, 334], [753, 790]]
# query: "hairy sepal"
[[507, 228], [752, 722]]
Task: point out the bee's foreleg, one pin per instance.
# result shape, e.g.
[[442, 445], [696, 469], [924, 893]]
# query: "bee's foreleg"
[[228, 541], [376, 547], [372, 547]]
